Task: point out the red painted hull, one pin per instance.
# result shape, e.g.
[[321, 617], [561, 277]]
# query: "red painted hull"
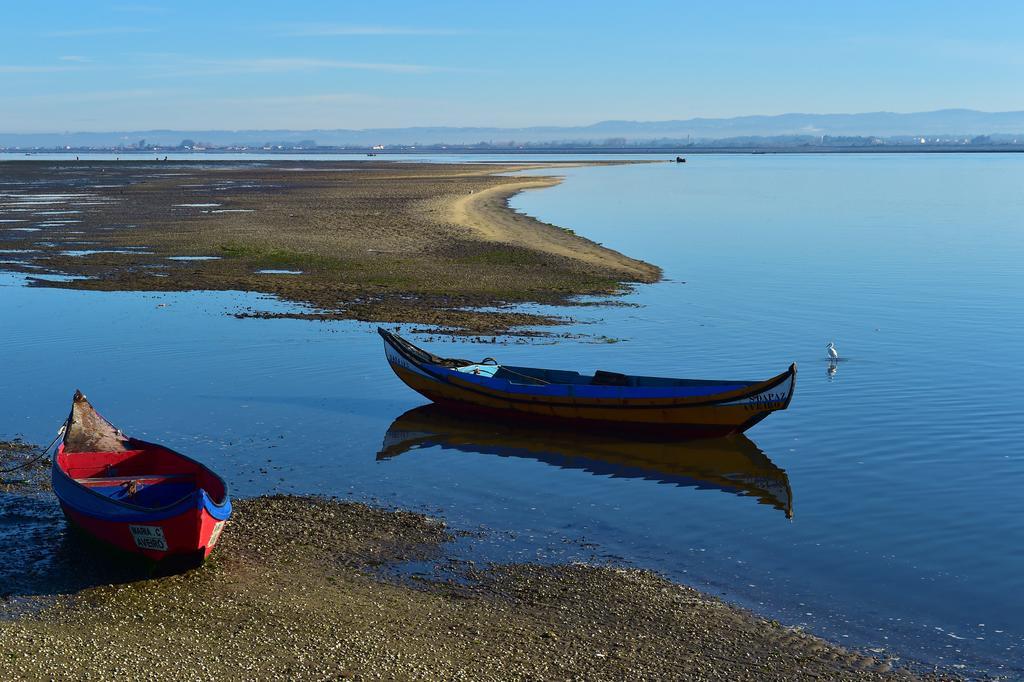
[[139, 497], [193, 534]]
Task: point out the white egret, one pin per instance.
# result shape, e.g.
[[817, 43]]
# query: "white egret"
[[833, 354]]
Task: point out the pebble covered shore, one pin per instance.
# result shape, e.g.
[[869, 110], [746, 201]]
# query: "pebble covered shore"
[[300, 589]]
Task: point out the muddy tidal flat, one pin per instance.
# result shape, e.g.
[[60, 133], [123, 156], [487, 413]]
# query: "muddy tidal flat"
[[374, 241], [314, 589]]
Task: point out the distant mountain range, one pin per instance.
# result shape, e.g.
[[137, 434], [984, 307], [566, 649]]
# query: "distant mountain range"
[[946, 122]]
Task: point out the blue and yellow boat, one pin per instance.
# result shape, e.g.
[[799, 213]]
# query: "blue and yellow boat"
[[696, 407]]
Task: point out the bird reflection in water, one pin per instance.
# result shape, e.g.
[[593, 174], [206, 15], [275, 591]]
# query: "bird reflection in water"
[[732, 464]]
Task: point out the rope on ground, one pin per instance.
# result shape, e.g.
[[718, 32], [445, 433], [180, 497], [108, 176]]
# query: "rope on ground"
[[25, 465], [525, 376]]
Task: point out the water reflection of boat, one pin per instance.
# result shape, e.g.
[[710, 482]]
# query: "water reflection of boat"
[[732, 464]]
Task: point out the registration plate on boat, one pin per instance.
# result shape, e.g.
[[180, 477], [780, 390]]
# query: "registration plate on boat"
[[149, 537], [215, 535]]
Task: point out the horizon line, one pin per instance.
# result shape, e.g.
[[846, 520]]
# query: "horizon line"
[[527, 127]]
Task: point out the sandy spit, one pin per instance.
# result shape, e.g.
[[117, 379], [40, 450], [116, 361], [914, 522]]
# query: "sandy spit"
[[374, 241]]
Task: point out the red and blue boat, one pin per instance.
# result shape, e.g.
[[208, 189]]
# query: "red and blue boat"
[[691, 407], [137, 496]]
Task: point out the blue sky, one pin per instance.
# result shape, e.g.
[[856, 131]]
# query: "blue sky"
[[78, 66]]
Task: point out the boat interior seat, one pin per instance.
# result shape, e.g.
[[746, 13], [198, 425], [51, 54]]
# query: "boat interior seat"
[[139, 478], [534, 376], [154, 490], [480, 370], [603, 378], [522, 375]]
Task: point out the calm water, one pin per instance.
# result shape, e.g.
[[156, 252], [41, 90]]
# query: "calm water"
[[903, 470]]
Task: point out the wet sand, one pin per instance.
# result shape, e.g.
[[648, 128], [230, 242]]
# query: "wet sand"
[[306, 588], [374, 241], [22, 468], [487, 213]]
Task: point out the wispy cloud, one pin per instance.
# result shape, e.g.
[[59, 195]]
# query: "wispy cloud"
[[97, 31], [102, 95], [205, 99], [993, 53], [1001, 53], [191, 108], [349, 30], [257, 65], [280, 64], [75, 58], [295, 100], [140, 9], [34, 68]]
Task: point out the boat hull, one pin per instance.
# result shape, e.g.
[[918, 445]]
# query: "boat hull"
[[732, 411], [139, 497], [192, 534]]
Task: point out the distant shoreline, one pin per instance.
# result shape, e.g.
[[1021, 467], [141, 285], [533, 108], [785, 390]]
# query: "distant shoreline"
[[141, 155]]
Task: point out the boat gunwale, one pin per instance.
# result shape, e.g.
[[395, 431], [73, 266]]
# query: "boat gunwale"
[[197, 491], [625, 401], [680, 402]]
